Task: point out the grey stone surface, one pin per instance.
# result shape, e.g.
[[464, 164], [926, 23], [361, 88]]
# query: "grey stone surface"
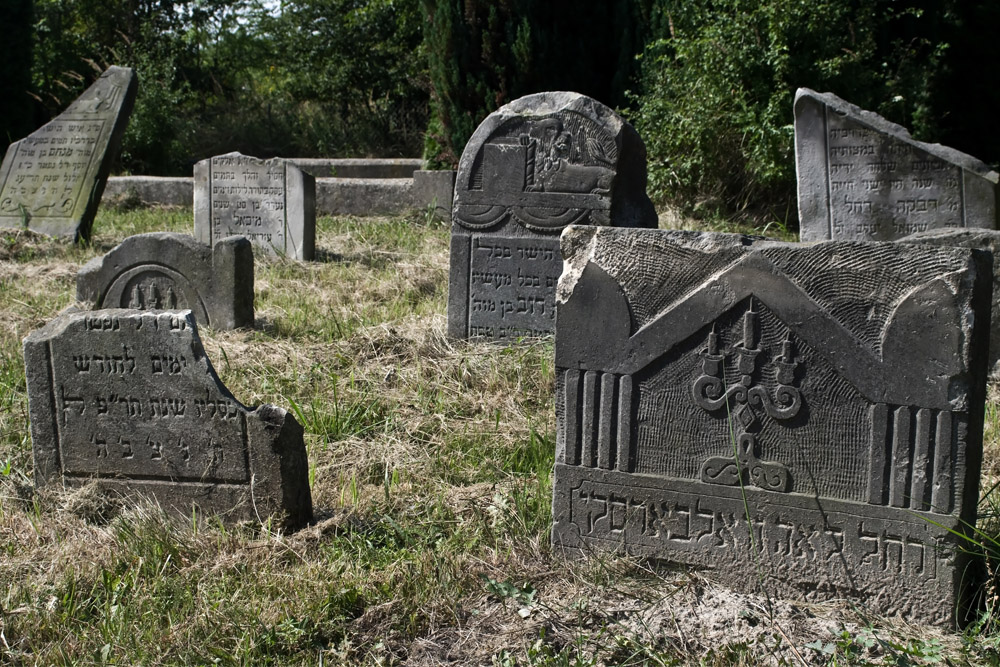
[[984, 239], [165, 271], [51, 181], [533, 167], [359, 167], [863, 178], [434, 189], [130, 400], [832, 393], [150, 190], [271, 202]]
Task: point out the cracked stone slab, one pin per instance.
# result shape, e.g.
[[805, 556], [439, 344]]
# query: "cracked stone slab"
[[51, 181], [803, 420], [533, 167], [130, 400], [864, 178]]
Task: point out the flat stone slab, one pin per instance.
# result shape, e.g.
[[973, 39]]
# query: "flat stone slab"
[[984, 239], [52, 180], [130, 400], [533, 167], [166, 271], [863, 178], [271, 202], [805, 421]]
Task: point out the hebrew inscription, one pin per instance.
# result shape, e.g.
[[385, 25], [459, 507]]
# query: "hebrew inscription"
[[738, 403], [864, 178], [533, 167], [52, 180], [270, 202], [130, 399]]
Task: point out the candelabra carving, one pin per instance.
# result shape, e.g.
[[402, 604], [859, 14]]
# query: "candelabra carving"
[[744, 402]]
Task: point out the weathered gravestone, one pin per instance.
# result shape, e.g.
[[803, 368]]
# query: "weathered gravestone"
[[129, 399], [271, 202], [832, 393], [533, 167], [165, 271], [984, 239], [52, 180], [863, 178]]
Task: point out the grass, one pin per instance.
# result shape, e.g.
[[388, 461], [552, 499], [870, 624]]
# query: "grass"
[[430, 465]]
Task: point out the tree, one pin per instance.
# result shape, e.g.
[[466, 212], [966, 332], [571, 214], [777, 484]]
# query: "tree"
[[16, 107]]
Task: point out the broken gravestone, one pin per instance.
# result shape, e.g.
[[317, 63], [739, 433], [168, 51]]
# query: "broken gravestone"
[[52, 180], [863, 178], [788, 416], [271, 202], [166, 271], [533, 167], [130, 400], [984, 239]]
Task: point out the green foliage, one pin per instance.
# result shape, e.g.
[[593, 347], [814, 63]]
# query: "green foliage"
[[15, 71], [716, 105]]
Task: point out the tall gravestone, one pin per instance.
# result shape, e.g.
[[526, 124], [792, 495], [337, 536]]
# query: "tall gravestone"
[[130, 400], [863, 178], [533, 167], [165, 271], [803, 420], [52, 180], [271, 202]]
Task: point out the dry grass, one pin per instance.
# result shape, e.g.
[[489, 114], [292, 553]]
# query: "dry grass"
[[431, 477]]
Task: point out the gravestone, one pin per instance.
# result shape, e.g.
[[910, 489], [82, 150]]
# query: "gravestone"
[[165, 271], [806, 421], [533, 167], [130, 400], [271, 202], [863, 178], [984, 239], [52, 180]]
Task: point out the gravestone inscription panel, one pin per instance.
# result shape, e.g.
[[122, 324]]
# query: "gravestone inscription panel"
[[271, 202], [803, 420], [130, 400], [533, 167], [52, 180], [863, 178], [166, 271]]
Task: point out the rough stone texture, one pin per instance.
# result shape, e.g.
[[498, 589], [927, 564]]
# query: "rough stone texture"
[[984, 239], [855, 380], [52, 180], [533, 167], [165, 271], [271, 202], [359, 167], [130, 399], [863, 178], [150, 190]]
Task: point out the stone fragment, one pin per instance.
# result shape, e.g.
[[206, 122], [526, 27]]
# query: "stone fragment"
[[165, 271], [533, 167], [806, 421], [863, 178], [271, 202], [52, 180], [984, 239], [130, 400]]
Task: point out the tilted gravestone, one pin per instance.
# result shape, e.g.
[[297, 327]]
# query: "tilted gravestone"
[[271, 202], [533, 167], [130, 400], [166, 271], [52, 180], [984, 239], [863, 178], [805, 420]]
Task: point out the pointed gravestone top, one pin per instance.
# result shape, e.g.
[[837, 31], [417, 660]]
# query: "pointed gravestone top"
[[52, 180], [864, 178]]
